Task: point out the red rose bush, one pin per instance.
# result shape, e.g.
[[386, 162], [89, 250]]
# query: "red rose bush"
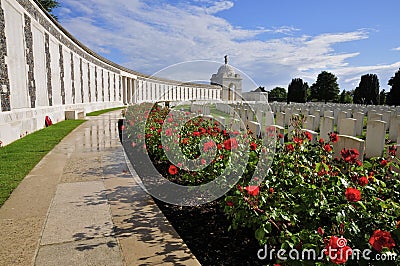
[[307, 199], [318, 199]]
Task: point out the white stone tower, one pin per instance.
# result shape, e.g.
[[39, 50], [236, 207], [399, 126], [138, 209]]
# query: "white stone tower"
[[230, 82]]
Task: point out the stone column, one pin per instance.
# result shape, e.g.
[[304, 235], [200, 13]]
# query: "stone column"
[[128, 90]]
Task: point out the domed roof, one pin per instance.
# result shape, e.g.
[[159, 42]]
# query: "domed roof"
[[226, 70]]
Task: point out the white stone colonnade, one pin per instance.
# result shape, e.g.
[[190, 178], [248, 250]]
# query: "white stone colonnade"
[[45, 71]]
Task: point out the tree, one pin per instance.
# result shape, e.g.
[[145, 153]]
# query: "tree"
[[382, 97], [346, 97], [393, 97], [49, 5], [277, 94], [325, 88], [297, 91], [368, 90]]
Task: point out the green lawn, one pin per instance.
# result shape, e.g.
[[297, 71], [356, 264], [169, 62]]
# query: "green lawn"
[[100, 112], [18, 158]]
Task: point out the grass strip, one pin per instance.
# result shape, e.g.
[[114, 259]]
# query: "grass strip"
[[18, 158], [100, 112]]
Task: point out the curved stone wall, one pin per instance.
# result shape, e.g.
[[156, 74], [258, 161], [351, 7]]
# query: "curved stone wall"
[[44, 71]]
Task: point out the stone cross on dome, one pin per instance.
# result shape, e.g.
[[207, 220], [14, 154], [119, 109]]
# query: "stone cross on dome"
[[226, 59]]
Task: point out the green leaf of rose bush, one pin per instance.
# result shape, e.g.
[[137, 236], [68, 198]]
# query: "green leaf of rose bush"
[[307, 196]]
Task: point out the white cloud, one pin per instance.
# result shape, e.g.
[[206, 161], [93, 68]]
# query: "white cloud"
[[219, 6], [396, 49], [150, 36]]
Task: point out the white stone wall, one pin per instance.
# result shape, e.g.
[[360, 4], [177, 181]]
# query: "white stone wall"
[[15, 62], [40, 65], [70, 77]]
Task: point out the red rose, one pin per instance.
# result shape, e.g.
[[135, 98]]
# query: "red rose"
[[333, 137], [353, 194], [308, 135], [321, 231], [392, 150], [196, 134], [337, 250], [203, 162], [219, 146], [384, 163], [381, 239], [172, 170], [290, 147], [230, 203], [322, 172], [271, 190], [280, 136], [328, 147], [359, 163], [253, 146], [209, 145], [321, 141], [349, 156], [168, 132], [297, 140], [363, 181], [252, 190], [230, 144]]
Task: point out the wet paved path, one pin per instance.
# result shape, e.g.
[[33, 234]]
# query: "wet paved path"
[[81, 206]]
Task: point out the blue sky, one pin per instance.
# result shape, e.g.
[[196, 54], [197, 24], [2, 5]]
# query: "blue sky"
[[270, 41]]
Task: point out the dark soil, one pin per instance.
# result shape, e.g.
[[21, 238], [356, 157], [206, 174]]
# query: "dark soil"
[[204, 229]]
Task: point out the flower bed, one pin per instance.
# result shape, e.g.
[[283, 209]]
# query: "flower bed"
[[308, 200]]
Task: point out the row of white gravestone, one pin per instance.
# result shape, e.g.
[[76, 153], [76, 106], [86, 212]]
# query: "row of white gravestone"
[[349, 125], [352, 127], [204, 109]]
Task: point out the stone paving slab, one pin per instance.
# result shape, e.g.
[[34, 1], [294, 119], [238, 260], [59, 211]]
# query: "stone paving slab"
[[68, 218], [83, 168], [22, 216], [96, 252], [82, 206]]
